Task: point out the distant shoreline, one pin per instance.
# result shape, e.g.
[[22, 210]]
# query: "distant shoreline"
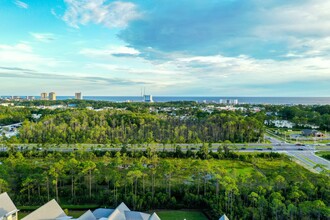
[[210, 99]]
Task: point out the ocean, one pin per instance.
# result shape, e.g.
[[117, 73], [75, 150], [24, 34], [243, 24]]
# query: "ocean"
[[208, 99], [241, 100]]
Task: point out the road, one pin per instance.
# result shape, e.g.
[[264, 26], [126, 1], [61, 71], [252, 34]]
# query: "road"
[[304, 154], [310, 159]]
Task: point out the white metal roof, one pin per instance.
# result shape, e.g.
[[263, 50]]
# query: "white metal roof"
[[6, 205], [49, 211]]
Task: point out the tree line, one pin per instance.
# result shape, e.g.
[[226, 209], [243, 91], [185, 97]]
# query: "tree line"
[[244, 186], [115, 126], [13, 115], [302, 115]]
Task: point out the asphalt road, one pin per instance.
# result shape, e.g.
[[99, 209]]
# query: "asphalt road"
[[310, 159], [304, 154]]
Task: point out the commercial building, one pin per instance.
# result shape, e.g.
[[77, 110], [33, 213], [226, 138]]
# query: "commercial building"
[[148, 98], [44, 96], [229, 101], [311, 132], [78, 96], [30, 98], [52, 96]]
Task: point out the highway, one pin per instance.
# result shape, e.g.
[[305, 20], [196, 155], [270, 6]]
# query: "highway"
[[310, 159], [305, 155]]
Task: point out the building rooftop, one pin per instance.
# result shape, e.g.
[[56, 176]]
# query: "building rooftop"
[[102, 213], [49, 211], [131, 215], [224, 217], [52, 211], [154, 216], [7, 206], [87, 216]]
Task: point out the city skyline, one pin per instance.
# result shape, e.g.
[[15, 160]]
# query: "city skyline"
[[172, 48]]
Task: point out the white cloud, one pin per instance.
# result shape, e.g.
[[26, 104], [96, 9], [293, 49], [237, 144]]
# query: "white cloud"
[[217, 72], [110, 51], [212, 71], [22, 55], [21, 4], [114, 14], [21, 47], [43, 37], [309, 18]]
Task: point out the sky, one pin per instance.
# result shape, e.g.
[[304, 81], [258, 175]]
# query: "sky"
[[167, 47]]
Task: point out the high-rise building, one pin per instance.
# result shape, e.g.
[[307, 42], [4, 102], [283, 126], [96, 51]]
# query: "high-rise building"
[[148, 98], [30, 98], [78, 95], [44, 96], [229, 101], [52, 96]]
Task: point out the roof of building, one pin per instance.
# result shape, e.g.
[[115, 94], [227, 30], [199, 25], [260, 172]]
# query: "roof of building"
[[117, 215], [154, 216], [145, 216], [122, 207], [102, 213], [132, 215], [122, 212], [224, 217], [87, 216], [119, 212], [309, 131], [49, 211], [7, 206]]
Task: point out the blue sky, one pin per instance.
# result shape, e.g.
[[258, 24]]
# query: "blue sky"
[[168, 47]]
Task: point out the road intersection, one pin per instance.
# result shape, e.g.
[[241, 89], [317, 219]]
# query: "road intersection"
[[305, 154]]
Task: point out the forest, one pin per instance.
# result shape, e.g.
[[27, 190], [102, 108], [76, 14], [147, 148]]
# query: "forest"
[[123, 126], [301, 115], [9, 115], [244, 186]]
